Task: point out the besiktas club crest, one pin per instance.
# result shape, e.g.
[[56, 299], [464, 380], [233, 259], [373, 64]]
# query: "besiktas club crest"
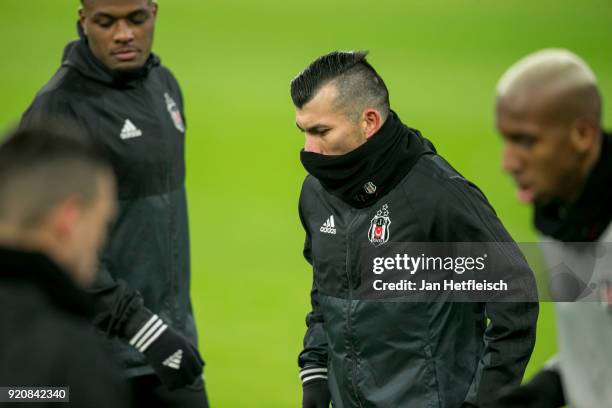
[[378, 233], [175, 113]]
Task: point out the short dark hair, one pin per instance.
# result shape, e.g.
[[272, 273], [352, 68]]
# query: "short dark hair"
[[43, 164], [357, 81], [83, 2]]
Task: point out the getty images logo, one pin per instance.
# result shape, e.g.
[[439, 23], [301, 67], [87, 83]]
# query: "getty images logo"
[[329, 227]]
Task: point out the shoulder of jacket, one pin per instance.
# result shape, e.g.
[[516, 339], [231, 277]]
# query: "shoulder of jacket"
[[48, 103], [434, 178], [311, 187], [57, 94], [435, 167], [166, 74], [51, 97], [164, 70], [60, 85], [312, 191], [310, 183]]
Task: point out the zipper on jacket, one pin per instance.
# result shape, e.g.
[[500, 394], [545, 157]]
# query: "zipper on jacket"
[[352, 353]]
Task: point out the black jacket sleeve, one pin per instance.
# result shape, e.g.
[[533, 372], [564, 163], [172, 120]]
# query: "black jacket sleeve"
[[464, 215], [119, 309], [314, 354]]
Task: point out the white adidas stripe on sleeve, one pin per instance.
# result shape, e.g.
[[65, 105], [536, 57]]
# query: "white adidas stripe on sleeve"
[[153, 337], [308, 374], [144, 328]]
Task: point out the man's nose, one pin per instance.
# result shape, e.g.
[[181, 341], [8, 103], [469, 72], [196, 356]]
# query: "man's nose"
[[124, 33], [510, 161], [312, 144]]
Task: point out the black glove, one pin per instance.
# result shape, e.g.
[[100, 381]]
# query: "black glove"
[[175, 360], [543, 391], [315, 394]]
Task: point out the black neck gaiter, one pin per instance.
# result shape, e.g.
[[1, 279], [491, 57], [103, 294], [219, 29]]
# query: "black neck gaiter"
[[587, 218], [365, 174]]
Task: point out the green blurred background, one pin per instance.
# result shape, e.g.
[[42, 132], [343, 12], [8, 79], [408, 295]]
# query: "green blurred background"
[[234, 60]]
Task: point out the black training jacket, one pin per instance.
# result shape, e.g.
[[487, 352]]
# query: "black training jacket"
[[138, 118], [46, 339], [399, 354]]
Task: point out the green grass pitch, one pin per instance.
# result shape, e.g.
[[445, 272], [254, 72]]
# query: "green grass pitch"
[[234, 60]]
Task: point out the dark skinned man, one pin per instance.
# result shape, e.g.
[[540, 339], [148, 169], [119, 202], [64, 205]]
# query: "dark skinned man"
[[111, 83], [549, 113]]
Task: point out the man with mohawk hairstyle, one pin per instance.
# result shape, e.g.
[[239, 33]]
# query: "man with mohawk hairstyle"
[[548, 112], [378, 181]]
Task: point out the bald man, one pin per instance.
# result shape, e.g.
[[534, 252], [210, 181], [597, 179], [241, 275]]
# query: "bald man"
[[549, 114]]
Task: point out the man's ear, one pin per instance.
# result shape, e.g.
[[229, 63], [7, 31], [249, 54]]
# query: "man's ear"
[[154, 8], [585, 134], [372, 122], [63, 219], [82, 18]]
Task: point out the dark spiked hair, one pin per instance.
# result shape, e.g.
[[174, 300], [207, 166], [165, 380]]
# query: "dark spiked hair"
[[358, 83]]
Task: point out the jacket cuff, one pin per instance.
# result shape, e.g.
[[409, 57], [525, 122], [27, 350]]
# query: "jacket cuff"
[[312, 373], [136, 322]]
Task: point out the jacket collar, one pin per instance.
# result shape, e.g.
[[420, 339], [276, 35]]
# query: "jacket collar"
[[38, 270], [77, 55], [587, 218]]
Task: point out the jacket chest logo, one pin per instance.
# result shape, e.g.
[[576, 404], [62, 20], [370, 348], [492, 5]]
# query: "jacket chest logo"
[[329, 226], [378, 233], [175, 113], [129, 130]]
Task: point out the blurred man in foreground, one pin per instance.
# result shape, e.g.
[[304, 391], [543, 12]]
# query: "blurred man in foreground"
[[111, 83], [549, 114], [57, 196], [374, 181]]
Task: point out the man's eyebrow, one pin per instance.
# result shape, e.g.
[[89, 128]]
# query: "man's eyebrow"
[[105, 14], [139, 11], [317, 128], [521, 135]]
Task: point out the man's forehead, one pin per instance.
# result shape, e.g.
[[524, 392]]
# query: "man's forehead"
[[532, 104], [319, 107], [307, 119], [535, 117]]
